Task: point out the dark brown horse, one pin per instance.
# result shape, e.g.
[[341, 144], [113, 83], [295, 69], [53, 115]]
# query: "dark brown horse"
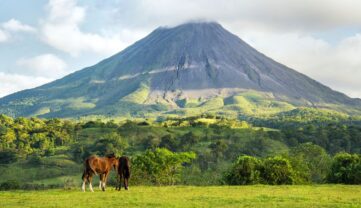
[[99, 166], [123, 172]]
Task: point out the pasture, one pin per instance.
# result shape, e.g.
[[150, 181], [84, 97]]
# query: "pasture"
[[191, 196]]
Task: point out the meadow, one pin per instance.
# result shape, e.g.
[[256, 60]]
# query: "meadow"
[[191, 196]]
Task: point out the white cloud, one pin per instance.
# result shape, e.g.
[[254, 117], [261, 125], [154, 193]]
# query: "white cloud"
[[16, 26], [3, 36], [46, 65], [12, 26], [61, 30], [280, 14], [10, 83], [337, 66]]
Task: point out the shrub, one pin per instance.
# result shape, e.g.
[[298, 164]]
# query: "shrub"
[[311, 163], [31, 186], [168, 141], [9, 185], [245, 171], [35, 159], [69, 183], [345, 168], [276, 171], [8, 156], [161, 166]]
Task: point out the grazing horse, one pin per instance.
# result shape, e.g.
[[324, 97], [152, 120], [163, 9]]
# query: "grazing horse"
[[98, 165], [123, 172]]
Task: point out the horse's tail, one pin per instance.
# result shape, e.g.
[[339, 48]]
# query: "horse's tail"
[[125, 166], [83, 176], [88, 167], [127, 172]]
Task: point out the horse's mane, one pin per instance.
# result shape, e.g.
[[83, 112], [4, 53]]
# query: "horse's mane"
[[112, 155]]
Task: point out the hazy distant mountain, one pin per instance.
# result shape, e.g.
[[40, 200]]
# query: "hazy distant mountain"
[[190, 66]]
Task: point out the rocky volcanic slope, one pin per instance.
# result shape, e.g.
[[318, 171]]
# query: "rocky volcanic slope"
[[174, 68]]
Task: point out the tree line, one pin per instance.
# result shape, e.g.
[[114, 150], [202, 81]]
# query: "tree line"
[[196, 150]]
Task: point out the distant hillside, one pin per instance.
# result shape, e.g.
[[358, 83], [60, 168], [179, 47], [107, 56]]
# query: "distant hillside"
[[188, 69]]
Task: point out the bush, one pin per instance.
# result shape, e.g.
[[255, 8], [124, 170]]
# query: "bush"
[[245, 171], [345, 168], [168, 141], [35, 159], [8, 156], [161, 166], [15, 185], [9, 185], [31, 186], [69, 183], [310, 162], [276, 171]]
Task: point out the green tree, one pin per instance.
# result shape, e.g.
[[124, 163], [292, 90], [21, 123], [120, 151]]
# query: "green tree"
[[109, 143], [161, 166], [41, 141], [218, 149], [168, 141], [188, 140], [7, 137], [345, 168], [276, 171], [151, 142], [246, 170], [310, 162]]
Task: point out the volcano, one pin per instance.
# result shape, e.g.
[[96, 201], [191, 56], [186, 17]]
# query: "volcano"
[[190, 66]]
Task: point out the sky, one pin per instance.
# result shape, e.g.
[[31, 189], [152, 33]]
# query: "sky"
[[44, 40]]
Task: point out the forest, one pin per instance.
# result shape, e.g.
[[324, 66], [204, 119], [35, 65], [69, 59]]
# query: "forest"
[[202, 150]]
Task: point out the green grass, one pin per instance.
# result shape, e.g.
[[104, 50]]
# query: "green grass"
[[256, 104], [139, 96], [213, 103], [190, 196]]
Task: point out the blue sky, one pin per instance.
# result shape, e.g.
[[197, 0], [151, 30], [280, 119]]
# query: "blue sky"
[[43, 40]]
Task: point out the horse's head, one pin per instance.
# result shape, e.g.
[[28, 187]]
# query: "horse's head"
[[116, 164], [113, 160]]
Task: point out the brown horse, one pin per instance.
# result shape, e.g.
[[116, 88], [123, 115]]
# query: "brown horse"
[[98, 165], [123, 172]]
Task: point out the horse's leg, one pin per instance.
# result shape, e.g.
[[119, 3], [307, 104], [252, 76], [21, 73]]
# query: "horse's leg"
[[120, 181], [117, 181], [84, 177], [100, 181], [90, 177], [126, 183], [105, 178]]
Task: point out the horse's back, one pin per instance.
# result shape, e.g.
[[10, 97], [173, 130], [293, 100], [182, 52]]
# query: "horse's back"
[[96, 164]]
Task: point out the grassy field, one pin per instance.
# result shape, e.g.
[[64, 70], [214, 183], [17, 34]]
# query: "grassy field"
[[190, 196]]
